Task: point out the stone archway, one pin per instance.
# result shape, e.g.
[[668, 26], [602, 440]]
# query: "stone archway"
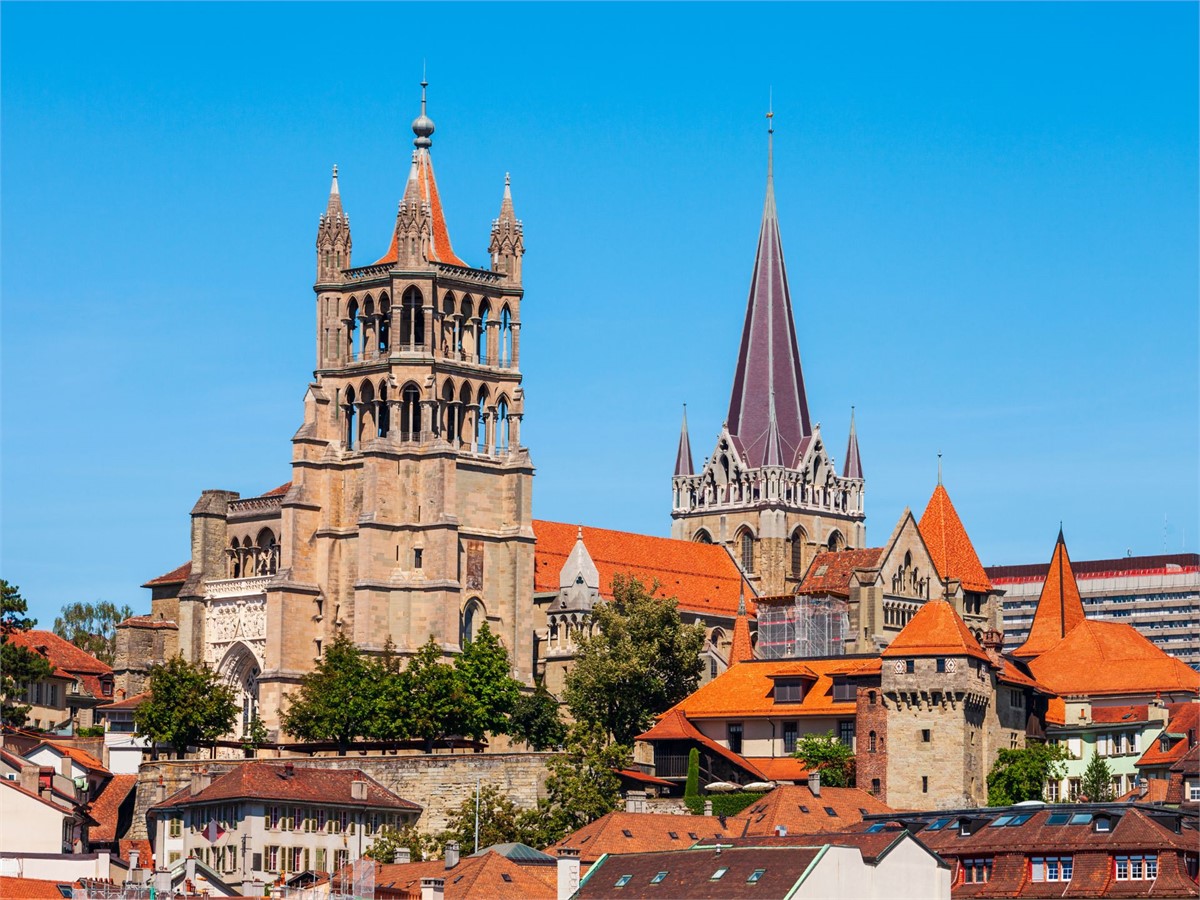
[[241, 668]]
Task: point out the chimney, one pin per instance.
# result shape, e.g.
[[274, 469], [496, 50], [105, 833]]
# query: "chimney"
[[104, 864], [358, 789], [64, 767], [189, 868], [433, 888], [134, 857], [451, 854], [814, 783], [635, 801], [162, 882], [781, 831], [29, 778], [708, 807], [289, 770], [568, 872], [402, 856], [200, 780]]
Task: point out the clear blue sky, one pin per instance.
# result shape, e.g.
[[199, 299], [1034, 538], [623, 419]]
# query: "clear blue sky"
[[989, 214]]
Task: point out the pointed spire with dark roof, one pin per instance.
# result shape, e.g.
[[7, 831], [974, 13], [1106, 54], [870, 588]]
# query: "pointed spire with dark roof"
[[952, 551], [769, 358], [741, 649], [683, 456], [853, 464], [1059, 607]]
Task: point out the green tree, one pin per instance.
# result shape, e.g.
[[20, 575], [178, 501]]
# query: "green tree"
[[535, 719], [500, 821], [825, 753], [19, 666], [639, 661], [582, 785], [692, 787], [1022, 774], [390, 839], [254, 737], [438, 701], [92, 627], [490, 692], [1096, 783], [338, 700], [188, 704]]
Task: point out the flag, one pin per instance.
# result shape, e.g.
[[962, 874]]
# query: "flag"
[[213, 831]]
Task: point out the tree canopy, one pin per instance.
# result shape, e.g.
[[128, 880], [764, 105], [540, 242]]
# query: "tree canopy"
[[92, 627], [337, 700], [639, 660], [825, 753], [536, 721], [19, 666], [1022, 774], [1096, 783], [189, 704]]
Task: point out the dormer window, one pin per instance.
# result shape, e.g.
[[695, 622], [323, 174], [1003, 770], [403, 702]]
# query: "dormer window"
[[789, 690]]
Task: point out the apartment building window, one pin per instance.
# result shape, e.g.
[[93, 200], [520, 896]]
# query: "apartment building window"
[[1194, 791], [790, 731], [1016, 698], [1073, 789], [977, 870], [272, 857], [1137, 867], [321, 860], [175, 827], [1052, 787], [876, 786], [734, 732]]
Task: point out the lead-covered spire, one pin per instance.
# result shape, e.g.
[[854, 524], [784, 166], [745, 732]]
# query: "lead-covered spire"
[[853, 465], [683, 457], [768, 361]]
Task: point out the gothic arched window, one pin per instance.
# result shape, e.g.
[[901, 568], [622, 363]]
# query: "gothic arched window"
[[798, 540], [746, 548], [505, 352], [410, 413], [472, 620], [385, 325], [484, 313], [502, 425], [351, 419], [351, 329]]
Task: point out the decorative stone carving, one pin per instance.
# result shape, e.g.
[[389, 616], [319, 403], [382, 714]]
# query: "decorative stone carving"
[[236, 611]]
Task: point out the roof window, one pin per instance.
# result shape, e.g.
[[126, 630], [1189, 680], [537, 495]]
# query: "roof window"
[[506, 877], [1058, 819], [657, 879], [939, 824], [1021, 819], [66, 890], [622, 881], [674, 835], [1081, 819], [830, 811], [627, 832], [1103, 823], [693, 836], [755, 876], [719, 874], [803, 808], [876, 828], [1001, 821]]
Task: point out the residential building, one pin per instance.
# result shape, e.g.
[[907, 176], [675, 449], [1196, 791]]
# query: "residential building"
[[1171, 745], [32, 823], [64, 700], [502, 872], [1064, 850], [262, 820], [623, 831], [894, 866], [123, 749], [1157, 595]]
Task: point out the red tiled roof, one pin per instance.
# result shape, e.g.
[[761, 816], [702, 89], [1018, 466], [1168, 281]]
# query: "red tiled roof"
[[1115, 715], [269, 781], [673, 725], [1059, 608], [175, 576], [279, 491], [1056, 711], [106, 808], [951, 549], [748, 690], [740, 648], [779, 768], [647, 832], [61, 653], [439, 245], [831, 572], [82, 757], [1153, 790], [1009, 672], [149, 622], [1184, 720], [491, 876], [12, 785], [796, 808], [935, 630], [31, 888], [639, 776], [128, 703], [702, 577], [1099, 658]]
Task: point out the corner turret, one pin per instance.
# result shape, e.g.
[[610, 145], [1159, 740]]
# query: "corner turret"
[[507, 245], [333, 237]]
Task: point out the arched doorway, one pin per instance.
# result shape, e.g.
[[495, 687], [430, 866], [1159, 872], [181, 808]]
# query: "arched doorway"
[[241, 668]]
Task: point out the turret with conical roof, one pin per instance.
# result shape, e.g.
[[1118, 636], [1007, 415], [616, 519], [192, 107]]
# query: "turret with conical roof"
[[1059, 608]]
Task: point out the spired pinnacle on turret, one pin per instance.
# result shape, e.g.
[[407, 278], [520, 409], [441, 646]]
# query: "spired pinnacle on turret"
[[507, 245], [852, 468], [683, 457], [333, 236], [768, 362]]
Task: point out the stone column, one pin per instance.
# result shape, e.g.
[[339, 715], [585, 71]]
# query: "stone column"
[[516, 345]]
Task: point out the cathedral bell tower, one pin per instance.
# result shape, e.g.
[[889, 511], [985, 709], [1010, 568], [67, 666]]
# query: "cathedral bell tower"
[[770, 491], [409, 512]]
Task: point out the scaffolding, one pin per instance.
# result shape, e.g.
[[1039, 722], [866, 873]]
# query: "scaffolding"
[[799, 627]]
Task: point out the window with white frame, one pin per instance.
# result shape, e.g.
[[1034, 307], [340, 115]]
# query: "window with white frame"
[[1136, 867], [1051, 868]]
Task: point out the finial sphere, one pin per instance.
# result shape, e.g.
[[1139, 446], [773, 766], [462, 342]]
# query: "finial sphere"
[[422, 127]]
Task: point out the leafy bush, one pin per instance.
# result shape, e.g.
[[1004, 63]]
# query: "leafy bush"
[[724, 804]]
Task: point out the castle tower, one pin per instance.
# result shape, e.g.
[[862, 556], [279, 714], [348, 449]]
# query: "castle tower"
[[770, 491], [409, 510]]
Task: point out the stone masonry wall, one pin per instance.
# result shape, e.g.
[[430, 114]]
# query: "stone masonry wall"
[[438, 782]]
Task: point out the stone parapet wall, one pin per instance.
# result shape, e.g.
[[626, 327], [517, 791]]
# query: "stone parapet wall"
[[438, 782]]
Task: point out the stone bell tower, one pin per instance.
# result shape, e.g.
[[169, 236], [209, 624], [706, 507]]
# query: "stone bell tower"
[[770, 491], [409, 510]]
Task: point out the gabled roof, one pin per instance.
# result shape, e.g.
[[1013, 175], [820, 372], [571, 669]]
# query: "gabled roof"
[[702, 577], [626, 832], [951, 549], [128, 703], [935, 630], [796, 808], [1099, 658], [175, 576], [12, 888], [14, 786], [269, 781], [62, 654], [106, 808], [1059, 607], [82, 758], [1184, 721], [831, 572], [489, 876], [673, 725]]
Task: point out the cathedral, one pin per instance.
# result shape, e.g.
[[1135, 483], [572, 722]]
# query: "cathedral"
[[409, 510]]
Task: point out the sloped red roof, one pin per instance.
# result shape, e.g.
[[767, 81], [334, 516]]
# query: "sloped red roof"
[[796, 808], [145, 851], [740, 648], [61, 653], [1116, 715], [491, 876], [279, 491], [1059, 608], [1184, 719], [128, 703], [702, 577], [439, 245], [673, 725], [106, 808], [951, 549], [270, 781], [646, 832], [780, 768], [32, 888], [82, 757], [935, 630], [830, 572], [748, 690], [1099, 658], [175, 576]]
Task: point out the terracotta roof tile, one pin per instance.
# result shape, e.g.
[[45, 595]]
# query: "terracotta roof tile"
[[1059, 607], [797, 809], [61, 653], [1183, 720], [948, 543], [689, 873], [128, 703], [646, 832], [1153, 790], [1056, 711], [175, 576], [32, 888], [935, 630], [779, 768], [673, 725], [474, 878], [1116, 715], [702, 577], [740, 648], [747, 690], [279, 491], [82, 757], [270, 781], [106, 808], [439, 247], [1099, 658], [830, 572]]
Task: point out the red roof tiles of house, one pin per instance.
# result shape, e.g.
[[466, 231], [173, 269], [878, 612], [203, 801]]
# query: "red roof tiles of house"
[[796, 808], [626, 832], [61, 653], [81, 757], [1183, 722], [951, 549], [702, 577], [1059, 607], [832, 572], [175, 576], [33, 888], [128, 703], [106, 808], [293, 784], [935, 630], [749, 689], [491, 876], [673, 725]]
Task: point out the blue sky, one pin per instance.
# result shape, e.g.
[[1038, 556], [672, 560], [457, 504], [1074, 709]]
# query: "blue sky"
[[989, 215]]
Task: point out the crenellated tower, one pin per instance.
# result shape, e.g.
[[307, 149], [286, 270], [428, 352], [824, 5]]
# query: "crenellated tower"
[[770, 491]]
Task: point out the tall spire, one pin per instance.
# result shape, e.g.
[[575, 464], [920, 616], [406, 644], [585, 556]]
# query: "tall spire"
[[683, 458], [507, 244], [1059, 608], [768, 363], [333, 236], [741, 649], [853, 464]]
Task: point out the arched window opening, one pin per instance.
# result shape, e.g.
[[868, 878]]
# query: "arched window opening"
[[449, 416], [266, 553], [481, 422], [385, 325], [367, 333], [385, 414], [367, 425], [412, 320], [702, 537], [466, 417], [351, 410], [484, 313], [352, 329], [836, 541], [449, 340], [410, 413], [502, 426], [799, 539], [505, 337], [235, 559], [473, 618], [746, 548]]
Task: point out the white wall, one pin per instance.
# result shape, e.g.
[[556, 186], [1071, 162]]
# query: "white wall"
[[28, 825]]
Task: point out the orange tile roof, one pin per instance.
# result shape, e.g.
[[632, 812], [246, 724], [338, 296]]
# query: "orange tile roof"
[[82, 757], [106, 808], [61, 653], [796, 808], [1184, 720], [1056, 711], [951, 549], [780, 768], [830, 572], [1155, 792], [936, 630], [175, 576], [1099, 658], [279, 491], [31, 888], [128, 703], [702, 577], [1115, 715], [647, 832], [673, 725], [1059, 608], [439, 245], [740, 648], [491, 876], [748, 690]]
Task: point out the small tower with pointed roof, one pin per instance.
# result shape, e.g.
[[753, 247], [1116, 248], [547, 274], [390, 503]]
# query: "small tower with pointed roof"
[[569, 613], [333, 237], [770, 492], [1059, 607], [507, 245]]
